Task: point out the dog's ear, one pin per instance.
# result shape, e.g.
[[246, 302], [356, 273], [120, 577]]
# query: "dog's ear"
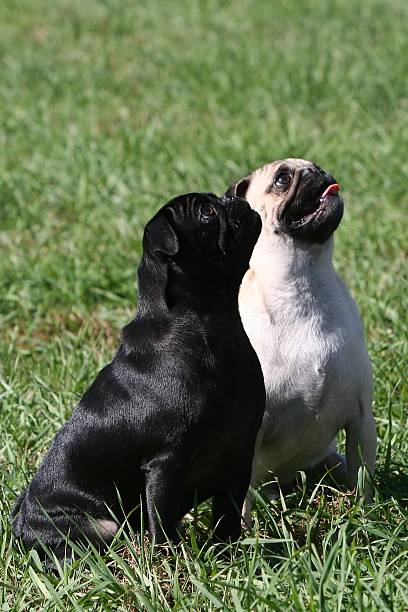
[[160, 237], [239, 189]]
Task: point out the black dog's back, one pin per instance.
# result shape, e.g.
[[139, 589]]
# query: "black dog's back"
[[173, 418]]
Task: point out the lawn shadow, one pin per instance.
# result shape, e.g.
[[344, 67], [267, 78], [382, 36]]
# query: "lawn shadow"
[[393, 483]]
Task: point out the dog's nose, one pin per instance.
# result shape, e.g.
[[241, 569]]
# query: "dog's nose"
[[311, 170], [237, 207], [318, 171], [239, 203]]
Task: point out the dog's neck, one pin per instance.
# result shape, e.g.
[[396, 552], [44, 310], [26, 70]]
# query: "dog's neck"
[[291, 270], [164, 289], [207, 295]]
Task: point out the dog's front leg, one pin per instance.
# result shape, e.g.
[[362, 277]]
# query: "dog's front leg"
[[164, 479], [361, 446], [246, 519], [227, 504], [247, 511]]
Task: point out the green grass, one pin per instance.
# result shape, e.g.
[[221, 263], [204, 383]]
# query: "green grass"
[[108, 109]]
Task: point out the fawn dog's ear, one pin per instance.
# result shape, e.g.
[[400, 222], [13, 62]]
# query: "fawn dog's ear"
[[240, 188], [160, 237]]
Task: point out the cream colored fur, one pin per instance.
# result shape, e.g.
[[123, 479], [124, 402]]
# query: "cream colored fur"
[[307, 332]]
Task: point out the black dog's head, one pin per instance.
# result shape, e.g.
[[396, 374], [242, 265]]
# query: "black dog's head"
[[202, 238], [296, 196]]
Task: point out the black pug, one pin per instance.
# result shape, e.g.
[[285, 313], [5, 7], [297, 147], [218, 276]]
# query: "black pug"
[[173, 419]]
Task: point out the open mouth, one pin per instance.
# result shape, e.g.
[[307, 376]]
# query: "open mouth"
[[316, 207]]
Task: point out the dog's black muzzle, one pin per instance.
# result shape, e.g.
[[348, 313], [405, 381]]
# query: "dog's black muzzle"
[[310, 216], [244, 223]]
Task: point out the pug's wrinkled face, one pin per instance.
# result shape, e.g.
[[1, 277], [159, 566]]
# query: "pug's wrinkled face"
[[202, 233], [296, 196]]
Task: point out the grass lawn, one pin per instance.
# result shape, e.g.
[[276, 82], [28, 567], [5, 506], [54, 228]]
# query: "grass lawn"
[[108, 109]]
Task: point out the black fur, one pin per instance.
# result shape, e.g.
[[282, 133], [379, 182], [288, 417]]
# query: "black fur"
[[173, 418]]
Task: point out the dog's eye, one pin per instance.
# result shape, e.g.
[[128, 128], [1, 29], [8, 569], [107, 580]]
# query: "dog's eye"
[[283, 179], [208, 211]]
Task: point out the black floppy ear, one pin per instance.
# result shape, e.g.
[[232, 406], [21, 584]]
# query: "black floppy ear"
[[160, 237], [239, 189]]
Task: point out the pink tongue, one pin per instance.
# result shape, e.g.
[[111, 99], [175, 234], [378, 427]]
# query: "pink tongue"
[[330, 189]]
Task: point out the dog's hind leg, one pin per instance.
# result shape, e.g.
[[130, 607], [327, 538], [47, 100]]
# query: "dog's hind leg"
[[330, 464], [55, 530]]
